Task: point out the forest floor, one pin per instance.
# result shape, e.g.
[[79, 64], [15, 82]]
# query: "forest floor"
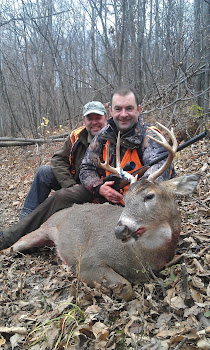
[[44, 306]]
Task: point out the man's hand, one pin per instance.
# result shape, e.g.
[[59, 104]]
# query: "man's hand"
[[109, 193]]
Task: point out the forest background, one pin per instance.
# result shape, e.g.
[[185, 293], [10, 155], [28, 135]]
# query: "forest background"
[[57, 55]]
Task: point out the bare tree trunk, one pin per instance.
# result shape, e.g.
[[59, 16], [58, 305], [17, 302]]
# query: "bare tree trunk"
[[14, 123], [140, 48], [206, 106], [198, 51]]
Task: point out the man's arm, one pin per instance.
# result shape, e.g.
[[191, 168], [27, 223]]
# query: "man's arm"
[[61, 167], [90, 173]]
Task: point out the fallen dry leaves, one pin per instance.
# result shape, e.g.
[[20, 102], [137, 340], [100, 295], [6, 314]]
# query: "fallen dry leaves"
[[42, 305]]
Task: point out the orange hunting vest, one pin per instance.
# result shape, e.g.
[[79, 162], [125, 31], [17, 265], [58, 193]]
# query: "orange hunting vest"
[[74, 138], [129, 156]]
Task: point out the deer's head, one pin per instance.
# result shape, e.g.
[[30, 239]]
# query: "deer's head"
[[150, 212]]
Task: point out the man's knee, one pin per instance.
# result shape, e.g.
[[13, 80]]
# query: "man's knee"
[[45, 175], [44, 171], [61, 194], [74, 194]]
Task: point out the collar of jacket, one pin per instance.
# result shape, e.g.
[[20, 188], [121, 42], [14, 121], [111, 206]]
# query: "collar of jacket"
[[130, 139]]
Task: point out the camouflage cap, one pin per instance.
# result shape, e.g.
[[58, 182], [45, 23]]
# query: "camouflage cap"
[[94, 107]]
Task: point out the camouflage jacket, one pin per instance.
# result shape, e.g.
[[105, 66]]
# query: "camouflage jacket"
[[91, 174]]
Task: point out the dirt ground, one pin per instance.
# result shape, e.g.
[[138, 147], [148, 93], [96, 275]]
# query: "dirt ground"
[[44, 306]]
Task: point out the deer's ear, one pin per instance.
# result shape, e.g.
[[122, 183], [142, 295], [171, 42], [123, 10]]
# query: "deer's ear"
[[183, 185]]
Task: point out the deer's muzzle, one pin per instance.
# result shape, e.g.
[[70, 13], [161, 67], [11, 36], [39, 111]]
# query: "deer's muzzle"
[[122, 232]]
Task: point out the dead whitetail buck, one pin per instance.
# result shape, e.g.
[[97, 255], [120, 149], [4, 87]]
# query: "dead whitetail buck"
[[150, 222]]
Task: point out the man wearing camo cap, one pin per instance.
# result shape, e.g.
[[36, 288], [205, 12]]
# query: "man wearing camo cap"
[[62, 176]]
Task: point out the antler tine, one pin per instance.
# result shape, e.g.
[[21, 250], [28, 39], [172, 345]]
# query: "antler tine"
[[118, 170], [106, 165], [171, 150], [124, 174], [163, 140]]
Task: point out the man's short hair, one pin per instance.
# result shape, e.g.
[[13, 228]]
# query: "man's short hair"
[[123, 91]]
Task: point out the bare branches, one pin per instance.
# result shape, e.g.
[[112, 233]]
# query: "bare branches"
[[56, 56]]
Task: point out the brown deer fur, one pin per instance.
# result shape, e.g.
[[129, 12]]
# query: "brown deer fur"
[[147, 231]]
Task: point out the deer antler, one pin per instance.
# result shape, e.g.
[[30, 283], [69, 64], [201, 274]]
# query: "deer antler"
[[118, 170], [171, 150]]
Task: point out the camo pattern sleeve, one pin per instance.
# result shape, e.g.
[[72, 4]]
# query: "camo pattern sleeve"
[[90, 173], [151, 151]]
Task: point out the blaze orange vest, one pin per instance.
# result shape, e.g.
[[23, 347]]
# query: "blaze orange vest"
[[74, 137], [129, 156]]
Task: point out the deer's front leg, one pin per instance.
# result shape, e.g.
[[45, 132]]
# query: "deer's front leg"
[[120, 286]]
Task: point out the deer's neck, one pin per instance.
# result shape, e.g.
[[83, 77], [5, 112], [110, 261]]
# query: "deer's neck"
[[155, 238]]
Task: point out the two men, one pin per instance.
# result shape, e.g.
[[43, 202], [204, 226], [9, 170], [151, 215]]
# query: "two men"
[[135, 146]]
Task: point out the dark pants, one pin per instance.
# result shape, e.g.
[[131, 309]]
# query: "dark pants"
[[61, 199]]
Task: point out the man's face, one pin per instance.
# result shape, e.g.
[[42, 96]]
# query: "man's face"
[[124, 111], [94, 123]]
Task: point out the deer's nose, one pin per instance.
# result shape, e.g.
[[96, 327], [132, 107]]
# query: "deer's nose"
[[122, 231]]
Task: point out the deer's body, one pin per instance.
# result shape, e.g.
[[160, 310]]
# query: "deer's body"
[[152, 226], [150, 222]]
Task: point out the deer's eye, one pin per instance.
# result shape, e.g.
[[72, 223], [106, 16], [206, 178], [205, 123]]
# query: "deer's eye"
[[148, 197]]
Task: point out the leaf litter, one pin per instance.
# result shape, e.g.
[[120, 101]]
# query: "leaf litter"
[[44, 306]]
